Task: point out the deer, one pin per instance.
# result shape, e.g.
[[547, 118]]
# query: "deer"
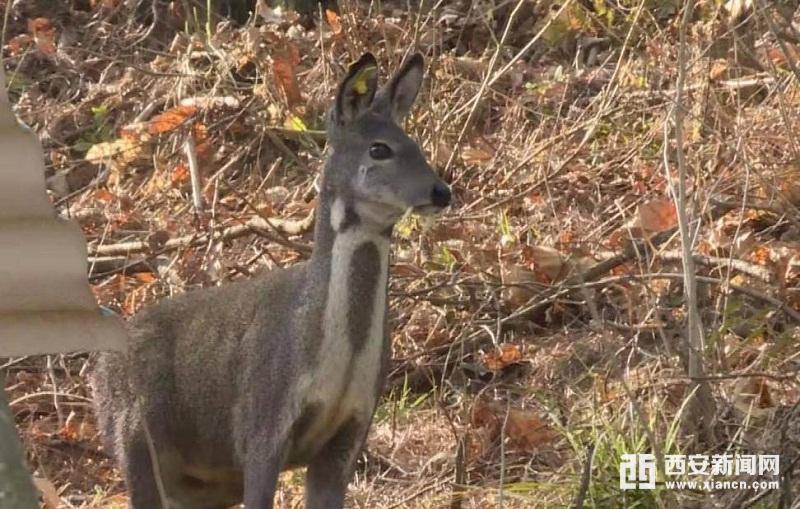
[[223, 388]]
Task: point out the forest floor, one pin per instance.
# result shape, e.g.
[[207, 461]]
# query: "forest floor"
[[539, 326]]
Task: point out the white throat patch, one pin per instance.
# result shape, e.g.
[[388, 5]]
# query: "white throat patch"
[[344, 381], [337, 214]]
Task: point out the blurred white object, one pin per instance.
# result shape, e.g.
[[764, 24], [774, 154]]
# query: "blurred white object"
[[45, 302]]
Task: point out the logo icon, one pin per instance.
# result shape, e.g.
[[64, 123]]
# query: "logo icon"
[[637, 471]]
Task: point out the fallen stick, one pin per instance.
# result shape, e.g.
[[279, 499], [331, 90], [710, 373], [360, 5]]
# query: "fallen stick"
[[256, 224], [751, 269]]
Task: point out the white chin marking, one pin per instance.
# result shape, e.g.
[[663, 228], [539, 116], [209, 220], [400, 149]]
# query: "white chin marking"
[[337, 214], [376, 213]]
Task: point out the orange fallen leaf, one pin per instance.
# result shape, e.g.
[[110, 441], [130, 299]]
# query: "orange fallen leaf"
[[761, 255], [657, 215], [18, 44], [145, 277], [527, 431], [44, 34], [778, 57], [180, 174], [566, 238], [718, 69], [283, 63], [498, 359], [170, 119], [201, 145], [523, 428], [334, 21], [103, 195]]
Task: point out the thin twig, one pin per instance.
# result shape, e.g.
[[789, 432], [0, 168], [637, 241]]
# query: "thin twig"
[[704, 408], [473, 103], [586, 478], [194, 173]]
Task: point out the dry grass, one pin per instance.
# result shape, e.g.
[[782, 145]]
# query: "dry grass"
[[541, 320]]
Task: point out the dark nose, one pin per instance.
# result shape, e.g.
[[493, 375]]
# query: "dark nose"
[[440, 196]]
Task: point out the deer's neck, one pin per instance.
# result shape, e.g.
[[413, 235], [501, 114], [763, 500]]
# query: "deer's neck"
[[350, 265], [345, 323]]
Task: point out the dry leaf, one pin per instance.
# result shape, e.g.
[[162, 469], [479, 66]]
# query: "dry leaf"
[[283, 63], [425, 326], [201, 145], [103, 195], [120, 152], [44, 34], [401, 269], [180, 175], [18, 44], [334, 21], [548, 263], [790, 189], [527, 431], [761, 255], [475, 156], [145, 277], [49, 493], [752, 396], [778, 57], [657, 216], [616, 240], [508, 354], [523, 429], [483, 415], [170, 119], [516, 279], [718, 70]]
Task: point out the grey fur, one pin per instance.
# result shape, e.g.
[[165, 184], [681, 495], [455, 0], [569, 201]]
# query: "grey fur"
[[232, 385]]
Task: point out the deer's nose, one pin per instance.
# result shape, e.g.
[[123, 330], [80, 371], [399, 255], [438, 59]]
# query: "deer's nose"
[[440, 196]]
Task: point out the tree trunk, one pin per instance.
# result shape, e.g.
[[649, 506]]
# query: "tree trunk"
[[16, 489]]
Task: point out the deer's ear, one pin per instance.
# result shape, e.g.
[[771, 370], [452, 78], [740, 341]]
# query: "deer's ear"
[[402, 90], [357, 89]]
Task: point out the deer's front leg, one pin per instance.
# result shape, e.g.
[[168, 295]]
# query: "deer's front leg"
[[331, 469], [265, 457]]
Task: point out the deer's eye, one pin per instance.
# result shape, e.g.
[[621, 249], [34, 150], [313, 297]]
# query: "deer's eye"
[[380, 151]]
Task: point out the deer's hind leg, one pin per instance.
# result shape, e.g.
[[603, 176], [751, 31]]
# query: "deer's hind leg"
[[140, 474], [331, 469], [148, 461]]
